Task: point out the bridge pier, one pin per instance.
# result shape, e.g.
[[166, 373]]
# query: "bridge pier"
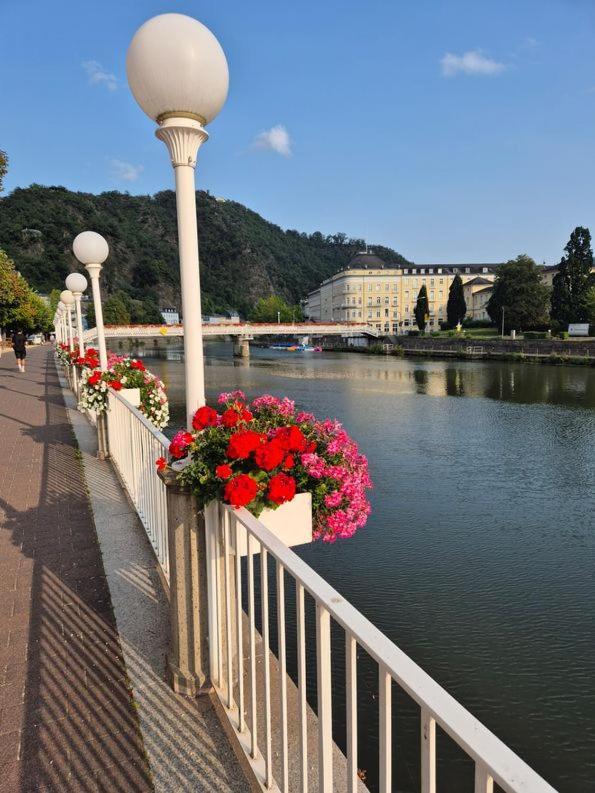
[[241, 347]]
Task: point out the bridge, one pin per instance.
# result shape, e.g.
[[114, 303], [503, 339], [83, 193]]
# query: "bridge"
[[242, 333]]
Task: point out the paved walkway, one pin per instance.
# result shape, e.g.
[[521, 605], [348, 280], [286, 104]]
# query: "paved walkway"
[[67, 719]]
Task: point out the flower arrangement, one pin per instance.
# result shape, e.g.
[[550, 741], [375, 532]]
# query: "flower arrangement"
[[262, 454], [63, 354], [124, 372]]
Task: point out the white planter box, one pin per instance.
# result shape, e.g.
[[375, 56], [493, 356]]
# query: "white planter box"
[[291, 523], [131, 395]]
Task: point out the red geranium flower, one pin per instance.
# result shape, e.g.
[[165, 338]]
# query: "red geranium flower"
[[115, 384], [204, 417], [179, 444], [137, 365], [161, 463], [291, 438], [230, 418], [246, 416], [240, 491], [269, 455], [94, 378], [311, 447], [281, 488], [223, 471], [242, 443], [288, 462]]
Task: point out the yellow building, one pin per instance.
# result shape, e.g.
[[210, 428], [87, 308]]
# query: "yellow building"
[[477, 292], [384, 296]]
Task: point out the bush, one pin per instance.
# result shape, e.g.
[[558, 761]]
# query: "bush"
[[398, 351], [413, 333], [376, 349], [435, 333], [535, 334], [478, 323], [563, 334]]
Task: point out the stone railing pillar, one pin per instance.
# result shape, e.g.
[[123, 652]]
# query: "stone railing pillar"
[[187, 662]]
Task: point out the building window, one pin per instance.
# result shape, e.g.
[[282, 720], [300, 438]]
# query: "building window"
[[378, 315], [395, 327], [378, 301], [439, 270], [369, 315], [386, 312], [467, 269], [431, 271], [431, 282], [405, 271], [441, 281], [386, 301], [432, 295], [484, 269], [441, 294], [386, 287]]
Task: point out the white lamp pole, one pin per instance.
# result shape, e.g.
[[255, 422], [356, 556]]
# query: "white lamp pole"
[[67, 299], [92, 250], [178, 74], [77, 284], [59, 323]]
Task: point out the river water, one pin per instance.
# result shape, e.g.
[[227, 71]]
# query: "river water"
[[479, 557]]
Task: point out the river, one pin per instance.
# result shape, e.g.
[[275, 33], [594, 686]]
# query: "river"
[[479, 557]]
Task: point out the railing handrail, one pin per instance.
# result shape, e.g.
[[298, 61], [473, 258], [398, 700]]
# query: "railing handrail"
[[507, 768], [163, 439]]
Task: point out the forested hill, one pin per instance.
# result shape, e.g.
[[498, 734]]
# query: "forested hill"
[[243, 256]]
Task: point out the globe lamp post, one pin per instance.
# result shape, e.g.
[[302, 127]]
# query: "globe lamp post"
[[91, 249], [77, 284], [67, 299], [177, 72], [59, 322]]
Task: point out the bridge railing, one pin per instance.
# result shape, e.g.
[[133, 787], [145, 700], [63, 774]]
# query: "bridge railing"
[[134, 446]]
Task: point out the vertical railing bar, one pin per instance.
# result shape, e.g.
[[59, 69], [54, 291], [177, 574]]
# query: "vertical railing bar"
[[351, 710], [282, 654], [484, 782], [301, 648], [325, 714], [239, 615], [211, 516], [264, 590], [228, 626], [385, 732], [253, 717], [428, 752], [217, 539]]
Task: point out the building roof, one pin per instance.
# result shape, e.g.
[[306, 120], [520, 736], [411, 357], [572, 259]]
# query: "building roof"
[[366, 260], [477, 280], [485, 289]]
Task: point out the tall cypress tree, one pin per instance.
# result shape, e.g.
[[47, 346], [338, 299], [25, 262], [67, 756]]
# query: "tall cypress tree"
[[422, 308], [573, 280], [456, 308]]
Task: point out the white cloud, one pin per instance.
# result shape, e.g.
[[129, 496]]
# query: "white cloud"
[[125, 171], [98, 76], [276, 139], [473, 62]]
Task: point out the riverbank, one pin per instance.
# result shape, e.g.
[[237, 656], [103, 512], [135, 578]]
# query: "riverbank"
[[550, 351]]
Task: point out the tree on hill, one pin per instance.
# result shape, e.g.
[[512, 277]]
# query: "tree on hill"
[[520, 294], [456, 308], [3, 168], [422, 309], [114, 312], [573, 280], [270, 309]]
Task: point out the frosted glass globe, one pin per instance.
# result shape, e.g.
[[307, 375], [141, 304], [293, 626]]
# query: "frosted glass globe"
[[66, 297], [90, 248], [176, 65], [76, 282]]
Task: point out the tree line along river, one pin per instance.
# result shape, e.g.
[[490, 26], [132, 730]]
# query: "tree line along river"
[[479, 557]]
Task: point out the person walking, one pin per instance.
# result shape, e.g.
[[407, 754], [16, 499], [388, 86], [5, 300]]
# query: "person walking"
[[19, 345]]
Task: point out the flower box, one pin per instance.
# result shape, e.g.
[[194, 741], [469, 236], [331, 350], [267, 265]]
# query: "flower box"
[[291, 523], [131, 395]]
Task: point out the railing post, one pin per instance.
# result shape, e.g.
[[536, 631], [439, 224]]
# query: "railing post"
[[187, 661], [102, 436]]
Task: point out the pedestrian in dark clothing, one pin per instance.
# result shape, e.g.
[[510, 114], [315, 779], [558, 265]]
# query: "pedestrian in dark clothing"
[[19, 345]]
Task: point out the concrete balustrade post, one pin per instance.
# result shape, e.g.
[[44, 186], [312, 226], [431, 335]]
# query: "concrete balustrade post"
[[187, 662]]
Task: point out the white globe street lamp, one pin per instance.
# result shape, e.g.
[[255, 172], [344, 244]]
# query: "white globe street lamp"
[[59, 321], [77, 284], [91, 249], [178, 74], [67, 299]]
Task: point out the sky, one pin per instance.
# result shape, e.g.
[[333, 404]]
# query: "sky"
[[450, 130]]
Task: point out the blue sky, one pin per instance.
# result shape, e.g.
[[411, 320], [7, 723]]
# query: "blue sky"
[[452, 130]]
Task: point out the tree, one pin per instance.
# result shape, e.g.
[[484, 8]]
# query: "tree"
[[269, 309], [520, 294], [590, 304], [20, 306], [115, 311], [456, 308], [422, 309], [3, 168], [573, 280]]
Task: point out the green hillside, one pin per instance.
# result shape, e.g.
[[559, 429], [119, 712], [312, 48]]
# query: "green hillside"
[[243, 257]]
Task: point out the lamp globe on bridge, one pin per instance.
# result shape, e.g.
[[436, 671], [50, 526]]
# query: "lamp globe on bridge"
[[67, 300], [177, 72], [91, 249], [77, 283]]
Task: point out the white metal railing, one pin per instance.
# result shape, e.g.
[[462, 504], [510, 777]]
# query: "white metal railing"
[[134, 446], [234, 660]]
